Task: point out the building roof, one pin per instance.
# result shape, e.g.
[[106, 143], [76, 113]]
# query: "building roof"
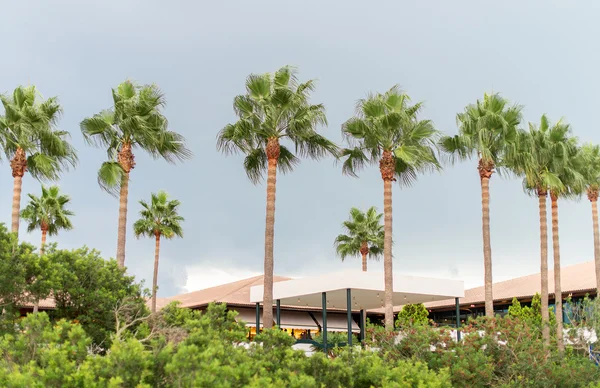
[[236, 293], [574, 278]]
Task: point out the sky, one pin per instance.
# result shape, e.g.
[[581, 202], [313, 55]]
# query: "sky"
[[544, 55]]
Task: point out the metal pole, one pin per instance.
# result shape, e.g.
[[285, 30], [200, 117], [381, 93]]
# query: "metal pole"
[[362, 326], [349, 312], [257, 318], [278, 313], [457, 319], [324, 307]]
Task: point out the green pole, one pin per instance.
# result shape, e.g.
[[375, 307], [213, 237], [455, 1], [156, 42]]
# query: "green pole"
[[324, 308], [349, 312], [457, 319], [257, 318], [362, 326], [278, 314]]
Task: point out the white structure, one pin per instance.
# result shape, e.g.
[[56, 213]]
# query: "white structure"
[[367, 290], [355, 291]]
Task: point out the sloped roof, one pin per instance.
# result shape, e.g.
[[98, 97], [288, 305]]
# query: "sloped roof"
[[47, 303], [231, 293], [574, 278]]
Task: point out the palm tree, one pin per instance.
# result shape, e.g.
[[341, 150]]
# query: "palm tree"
[[591, 156], [30, 140], [275, 107], [487, 129], [386, 131], [159, 218], [364, 236], [538, 150], [48, 213], [568, 168], [134, 121]]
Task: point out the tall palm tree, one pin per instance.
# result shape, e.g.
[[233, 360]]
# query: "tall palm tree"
[[591, 163], [387, 132], [275, 107], [48, 213], [568, 168], [134, 121], [30, 140], [364, 236], [538, 150], [487, 129], [159, 218]]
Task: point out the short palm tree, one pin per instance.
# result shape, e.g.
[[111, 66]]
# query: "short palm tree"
[[159, 218], [363, 236], [387, 132], [487, 129], [591, 163], [568, 168], [276, 107], [48, 213], [538, 150], [30, 140], [134, 121]]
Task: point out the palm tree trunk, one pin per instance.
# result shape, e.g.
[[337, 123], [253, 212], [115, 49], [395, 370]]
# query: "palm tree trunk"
[[557, 286], [542, 194], [593, 197], [44, 233], [364, 251], [485, 174], [122, 231], [36, 306], [155, 279], [272, 150], [388, 274], [18, 164], [387, 167], [16, 204]]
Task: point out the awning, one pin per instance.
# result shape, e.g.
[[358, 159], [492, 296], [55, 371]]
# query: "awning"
[[337, 322], [297, 320], [248, 316]]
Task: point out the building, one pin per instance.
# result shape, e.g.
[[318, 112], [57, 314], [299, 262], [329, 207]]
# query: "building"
[[577, 281]]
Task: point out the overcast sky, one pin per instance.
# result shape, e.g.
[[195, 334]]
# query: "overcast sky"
[[542, 54]]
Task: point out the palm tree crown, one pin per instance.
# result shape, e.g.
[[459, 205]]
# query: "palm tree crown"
[[488, 129], [48, 212], [29, 137], [160, 217], [386, 130], [275, 107], [134, 121], [363, 235]]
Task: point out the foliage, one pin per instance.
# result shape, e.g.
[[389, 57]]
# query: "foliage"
[[388, 122], [530, 314], [48, 211], [30, 124], [159, 217], [275, 106], [135, 120], [413, 314], [89, 289], [487, 129], [362, 228], [493, 352]]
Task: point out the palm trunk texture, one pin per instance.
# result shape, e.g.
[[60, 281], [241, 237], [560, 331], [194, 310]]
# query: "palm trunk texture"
[[18, 164], [558, 310], [155, 278], [487, 246], [593, 197], [364, 251], [122, 231], [272, 151], [544, 265], [43, 246], [388, 273]]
